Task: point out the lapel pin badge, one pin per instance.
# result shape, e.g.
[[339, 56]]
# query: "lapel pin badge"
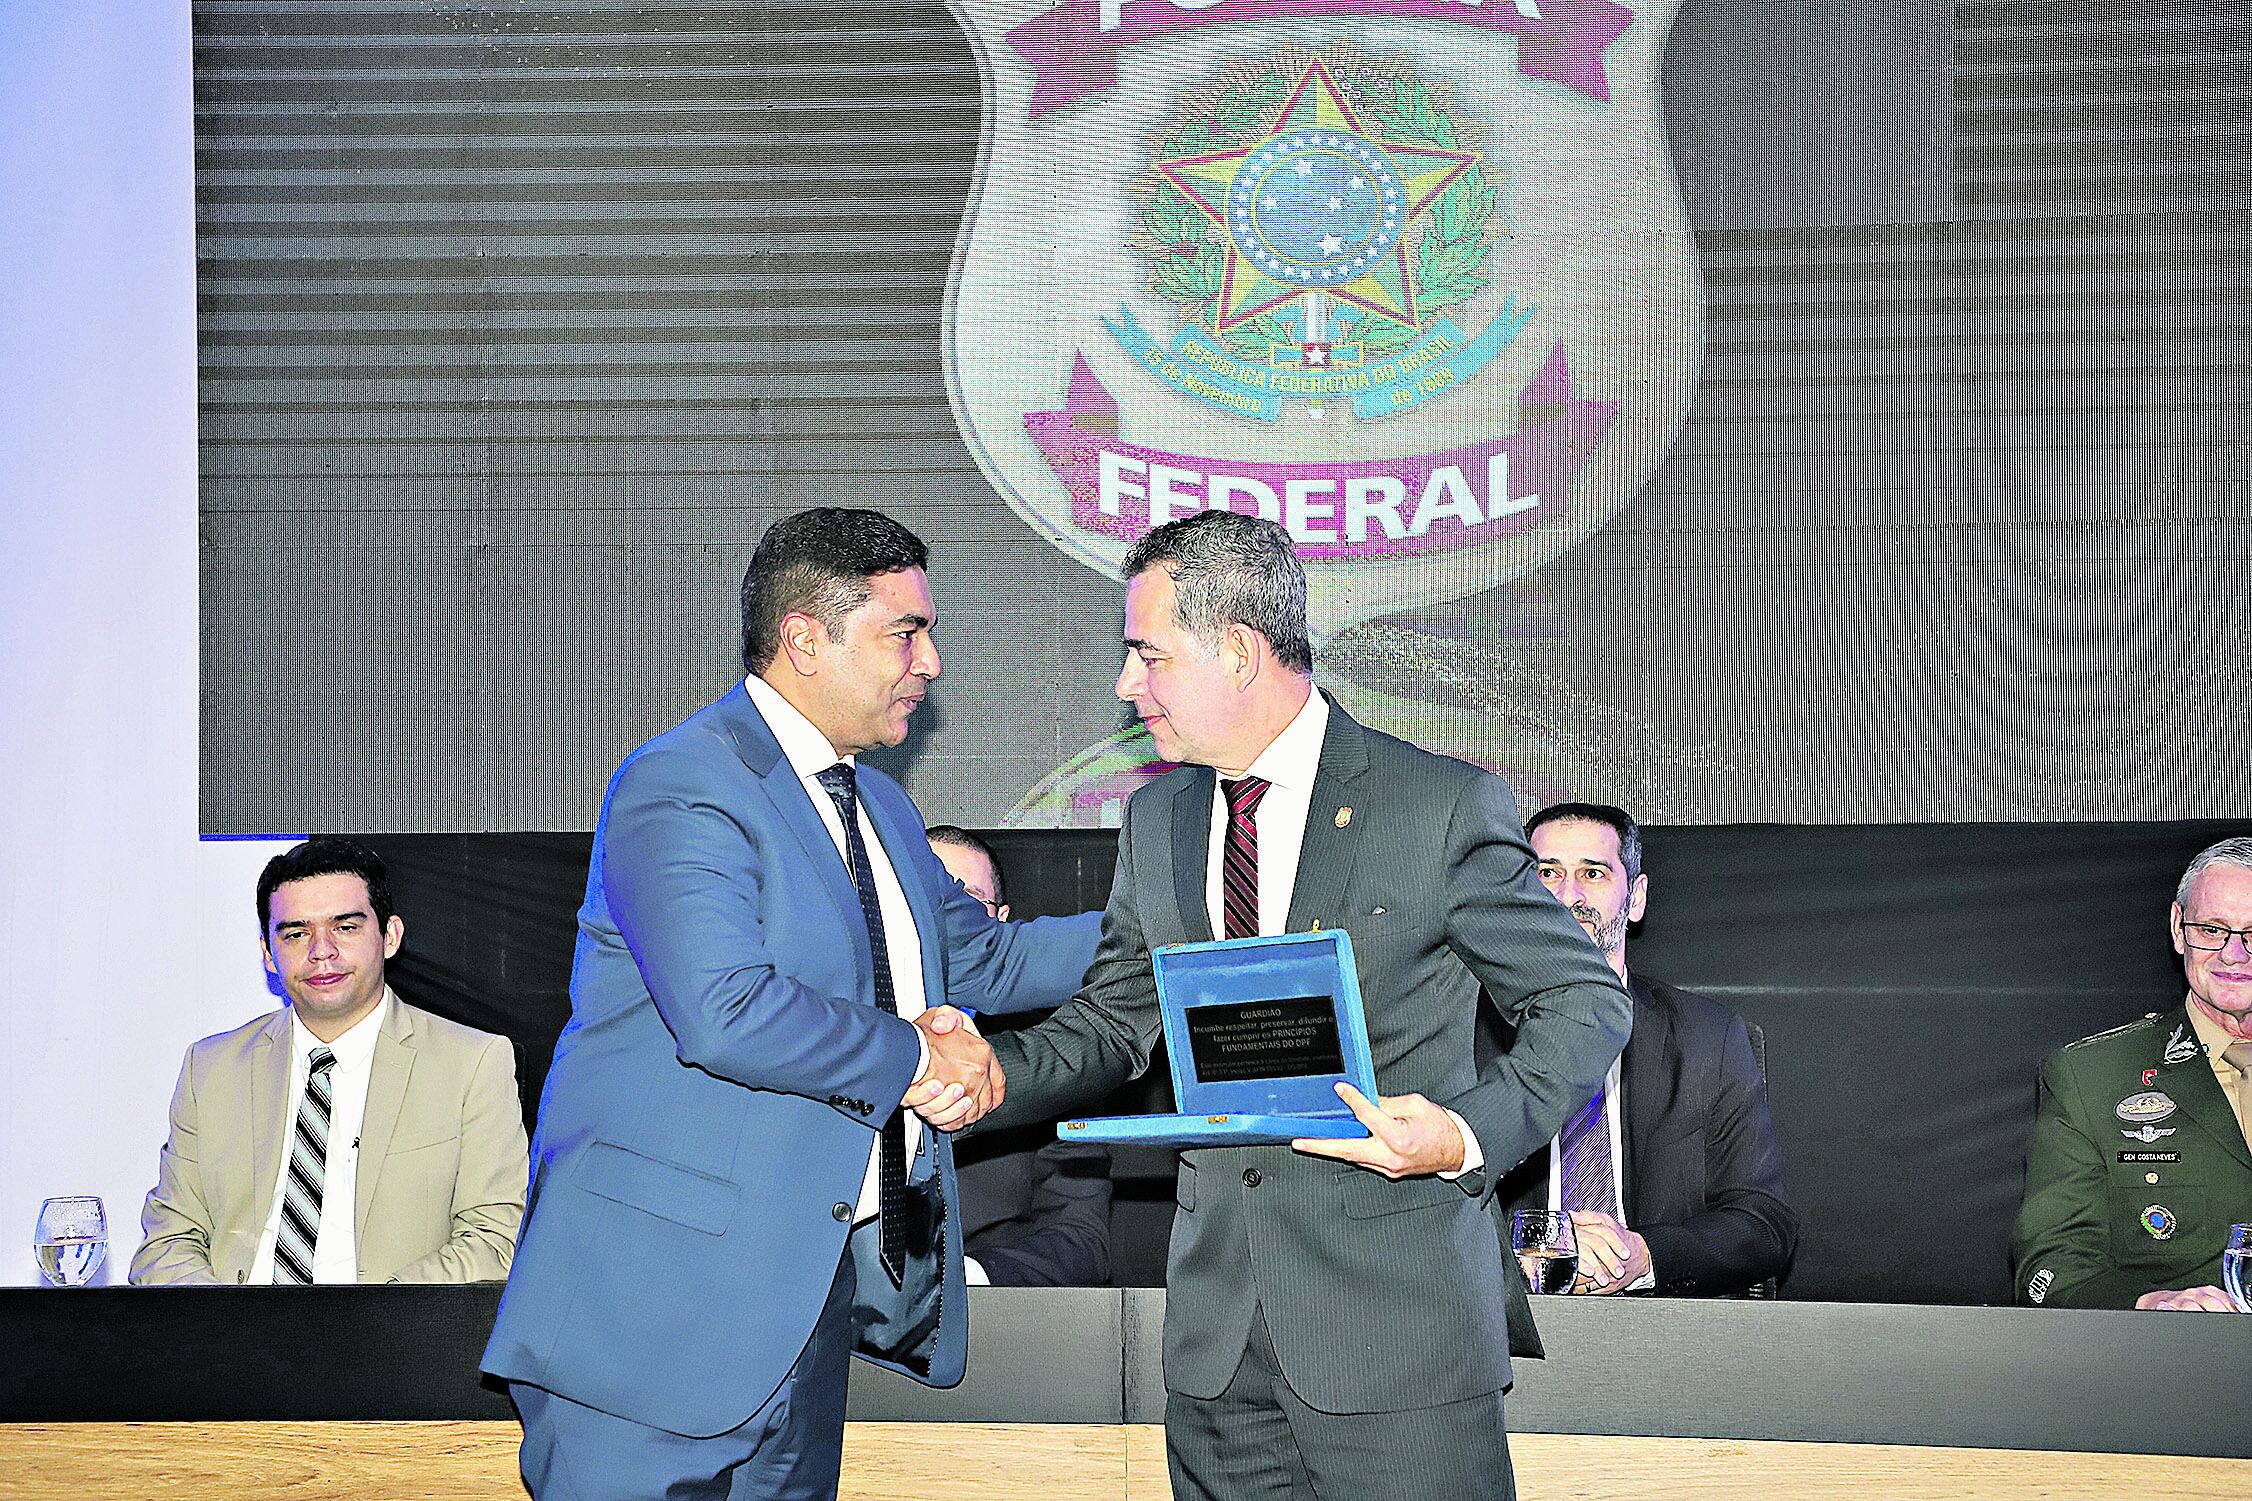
[[1344, 817]]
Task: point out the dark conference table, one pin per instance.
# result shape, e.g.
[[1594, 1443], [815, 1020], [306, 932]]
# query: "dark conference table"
[[1802, 1373]]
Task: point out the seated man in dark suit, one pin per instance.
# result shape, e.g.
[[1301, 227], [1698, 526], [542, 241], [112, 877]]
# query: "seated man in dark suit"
[[1035, 1210], [1671, 1173]]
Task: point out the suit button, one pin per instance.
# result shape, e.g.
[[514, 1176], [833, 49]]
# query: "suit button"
[[1251, 1177], [840, 1212]]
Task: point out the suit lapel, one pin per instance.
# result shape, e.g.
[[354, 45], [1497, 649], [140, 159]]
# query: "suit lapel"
[[2197, 1094], [793, 803], [1333, 835], [388, 1073], [269, 1077], [1646, 1080], [1192, 844]]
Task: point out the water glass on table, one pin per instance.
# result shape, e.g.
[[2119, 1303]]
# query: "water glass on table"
[[2236, 1263], [1546, 1247], [69, 1241]]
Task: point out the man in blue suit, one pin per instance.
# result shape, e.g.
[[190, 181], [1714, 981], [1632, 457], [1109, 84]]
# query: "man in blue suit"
[[741, 1175]]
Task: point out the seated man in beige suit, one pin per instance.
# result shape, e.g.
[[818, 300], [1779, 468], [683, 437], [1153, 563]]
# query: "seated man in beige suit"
[[347, 1137]]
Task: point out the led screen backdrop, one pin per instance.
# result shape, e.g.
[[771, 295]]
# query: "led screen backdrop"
[[1812, 412]]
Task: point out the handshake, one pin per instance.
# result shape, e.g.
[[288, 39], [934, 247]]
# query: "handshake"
[[964, 1079]]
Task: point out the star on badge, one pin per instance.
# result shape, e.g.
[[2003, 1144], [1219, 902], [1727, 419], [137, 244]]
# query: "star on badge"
[[1316, 205]]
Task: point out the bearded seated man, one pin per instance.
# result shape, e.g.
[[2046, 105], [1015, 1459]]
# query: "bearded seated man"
[[1671, 1174]]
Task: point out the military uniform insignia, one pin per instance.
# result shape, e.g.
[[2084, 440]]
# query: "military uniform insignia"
[[2149, 1133], [2181, 1047], [2122, 1029], [2145, 1108], [2037, 1287], [2159, 1221]]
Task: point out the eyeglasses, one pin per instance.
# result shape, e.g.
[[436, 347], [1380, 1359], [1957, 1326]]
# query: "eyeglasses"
[[2211, 937]]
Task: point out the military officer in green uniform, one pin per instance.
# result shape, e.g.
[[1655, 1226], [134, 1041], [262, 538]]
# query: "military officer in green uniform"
[[2141, 1155]]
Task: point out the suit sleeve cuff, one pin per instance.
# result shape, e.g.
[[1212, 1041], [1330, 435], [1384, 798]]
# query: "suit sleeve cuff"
[[1473, 1157]]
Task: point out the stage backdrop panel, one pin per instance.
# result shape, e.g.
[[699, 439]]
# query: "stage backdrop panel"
[[1909, 979], [1919, 327]]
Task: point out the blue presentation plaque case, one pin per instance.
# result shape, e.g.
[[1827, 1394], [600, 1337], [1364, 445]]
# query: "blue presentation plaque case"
[[1237, 973]]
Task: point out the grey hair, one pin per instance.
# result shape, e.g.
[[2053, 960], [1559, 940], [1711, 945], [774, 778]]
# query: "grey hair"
[[2232, 851], [1232, 569]]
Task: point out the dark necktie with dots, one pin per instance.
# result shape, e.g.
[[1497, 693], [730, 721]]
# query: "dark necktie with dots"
[[891, 1143]]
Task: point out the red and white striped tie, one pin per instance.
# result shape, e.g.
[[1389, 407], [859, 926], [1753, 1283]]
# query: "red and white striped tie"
[[1239, 858]]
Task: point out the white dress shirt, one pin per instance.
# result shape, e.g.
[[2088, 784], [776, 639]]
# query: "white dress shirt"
[[1288, 765], [809, 754], [336, 1252]]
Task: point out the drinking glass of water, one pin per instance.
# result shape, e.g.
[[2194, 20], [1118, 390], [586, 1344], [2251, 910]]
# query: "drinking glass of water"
[[2236, 1262], [70, 1240], [1546, 1248]]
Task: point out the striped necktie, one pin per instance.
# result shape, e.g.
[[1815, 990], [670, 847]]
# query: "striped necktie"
[[1239, 858], [891, 1145], [1585, 1153], [308, 1169]]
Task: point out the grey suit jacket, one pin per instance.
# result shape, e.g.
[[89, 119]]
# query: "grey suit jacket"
[[442, 1169], [1380, 1295]]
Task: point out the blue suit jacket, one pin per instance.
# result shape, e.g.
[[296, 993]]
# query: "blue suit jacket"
[[706, 1125]]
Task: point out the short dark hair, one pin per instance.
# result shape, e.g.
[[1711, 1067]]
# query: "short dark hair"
[[963, 839], [326, 856], [818, 563], [1232, 569], [1617, 820]]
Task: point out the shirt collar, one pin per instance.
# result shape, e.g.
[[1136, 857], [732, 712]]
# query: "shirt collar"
[[355, 1048], [1292, 757], [804, 746], [2215, 1038]]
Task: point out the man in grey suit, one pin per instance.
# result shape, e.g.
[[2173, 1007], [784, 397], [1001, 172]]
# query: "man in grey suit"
[[1335, 1310]]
